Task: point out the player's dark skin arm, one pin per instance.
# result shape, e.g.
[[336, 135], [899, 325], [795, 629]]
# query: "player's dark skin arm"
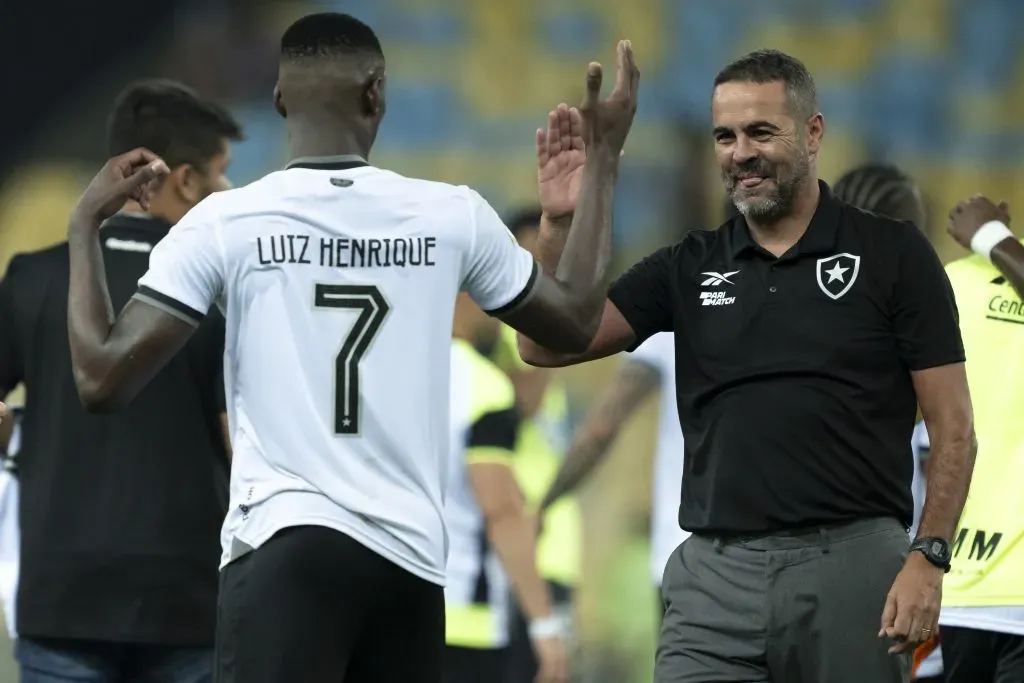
[[113, 358], [591, 442], [564, 310], [1008, 257], [946, 404]]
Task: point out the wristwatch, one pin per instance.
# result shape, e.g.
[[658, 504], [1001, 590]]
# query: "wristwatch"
[[935, 550]]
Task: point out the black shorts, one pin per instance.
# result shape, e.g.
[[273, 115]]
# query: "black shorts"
[[973, 656], [471, 665], [312, 604]]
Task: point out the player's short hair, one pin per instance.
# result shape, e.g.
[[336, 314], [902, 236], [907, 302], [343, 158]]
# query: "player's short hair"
[[328, 35], [171, 121], [881, 188], [771, 66], [521, 220]]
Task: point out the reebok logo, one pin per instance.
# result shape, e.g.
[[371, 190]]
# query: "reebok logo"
[[717, 279], [716, 298]]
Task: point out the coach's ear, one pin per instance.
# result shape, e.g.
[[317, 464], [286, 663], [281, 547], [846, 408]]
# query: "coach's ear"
[[278, 104]]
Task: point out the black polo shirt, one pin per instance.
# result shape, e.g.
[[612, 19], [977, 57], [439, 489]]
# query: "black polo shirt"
[[120, 514], [793, 373]]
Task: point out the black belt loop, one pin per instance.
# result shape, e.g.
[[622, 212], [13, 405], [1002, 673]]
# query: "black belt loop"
[[826, 545]]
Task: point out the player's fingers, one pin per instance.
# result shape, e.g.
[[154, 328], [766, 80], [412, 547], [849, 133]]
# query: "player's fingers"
[[634, 81], [623, 69], [135, 183], [564, 124], [139, 156], [594, 75], [553, 132], [576, 128], [1004, 206], [541, 141]]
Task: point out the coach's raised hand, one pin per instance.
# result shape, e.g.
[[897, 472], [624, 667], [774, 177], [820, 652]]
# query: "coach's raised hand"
[[128, 176], [606, 123]]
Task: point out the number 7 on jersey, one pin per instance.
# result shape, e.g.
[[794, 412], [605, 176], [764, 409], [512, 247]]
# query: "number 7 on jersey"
[[372, 308]]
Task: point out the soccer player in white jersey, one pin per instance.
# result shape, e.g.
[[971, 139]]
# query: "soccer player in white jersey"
[[338, 282]]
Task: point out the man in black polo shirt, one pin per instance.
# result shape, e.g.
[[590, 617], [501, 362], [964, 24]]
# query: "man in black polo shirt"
[[120, 514], [807, 332]]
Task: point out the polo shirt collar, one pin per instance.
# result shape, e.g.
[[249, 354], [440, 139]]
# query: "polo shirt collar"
[[820, 236], [338, 162]]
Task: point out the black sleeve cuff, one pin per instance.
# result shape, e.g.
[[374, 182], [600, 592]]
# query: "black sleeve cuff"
[[170, 305], [497, 429]]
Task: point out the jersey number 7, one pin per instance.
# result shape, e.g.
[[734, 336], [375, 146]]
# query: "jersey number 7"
[[372, 308]]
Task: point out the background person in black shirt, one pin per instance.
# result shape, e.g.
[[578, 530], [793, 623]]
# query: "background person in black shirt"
[[120, 514], [807, 332]]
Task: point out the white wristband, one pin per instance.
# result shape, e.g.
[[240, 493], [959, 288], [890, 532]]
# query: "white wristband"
[[547, 627], [988, 236]]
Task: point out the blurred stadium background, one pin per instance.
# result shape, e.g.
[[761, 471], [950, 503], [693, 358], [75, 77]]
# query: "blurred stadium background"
[[936, 86]]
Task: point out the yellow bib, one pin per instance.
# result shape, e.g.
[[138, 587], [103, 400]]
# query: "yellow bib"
[[988, 548]]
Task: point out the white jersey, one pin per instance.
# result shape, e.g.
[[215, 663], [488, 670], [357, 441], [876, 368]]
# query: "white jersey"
[[659, 353], [10, 536], [484, 425], [338, 282]]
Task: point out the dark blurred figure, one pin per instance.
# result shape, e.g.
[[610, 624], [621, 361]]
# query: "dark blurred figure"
[[883, 189], [120, 514]]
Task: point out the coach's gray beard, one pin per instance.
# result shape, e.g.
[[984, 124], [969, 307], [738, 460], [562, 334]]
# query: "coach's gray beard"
[[778, 205]]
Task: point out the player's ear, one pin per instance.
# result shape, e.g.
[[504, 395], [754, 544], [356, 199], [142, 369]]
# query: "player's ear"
[[279, 103], [186, 183], [374, 99]]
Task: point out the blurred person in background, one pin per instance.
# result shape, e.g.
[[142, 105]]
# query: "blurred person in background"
[[773, 536], [982, 619], [544, 405], [10, 550], [492, 538], [120, 515]]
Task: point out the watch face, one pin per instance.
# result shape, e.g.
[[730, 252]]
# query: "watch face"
[[939, 549]]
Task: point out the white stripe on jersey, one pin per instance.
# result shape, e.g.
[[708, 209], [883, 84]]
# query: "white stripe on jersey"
[[338, 287]]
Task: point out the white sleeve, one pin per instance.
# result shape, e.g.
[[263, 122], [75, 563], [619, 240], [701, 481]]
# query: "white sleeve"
[[186, 268], [499, 274], [654, 350]]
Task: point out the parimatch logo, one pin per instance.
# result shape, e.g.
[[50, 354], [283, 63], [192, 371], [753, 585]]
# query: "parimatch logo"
[[716, 299]]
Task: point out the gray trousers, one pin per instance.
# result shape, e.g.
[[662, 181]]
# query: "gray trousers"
[[801, 607]]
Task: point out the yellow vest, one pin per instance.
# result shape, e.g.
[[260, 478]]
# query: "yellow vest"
[[988, 548], [542, 441]]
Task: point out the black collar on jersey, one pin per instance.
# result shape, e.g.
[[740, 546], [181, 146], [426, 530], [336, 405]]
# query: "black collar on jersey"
[[819, 238], [140, 221], [340, 162]]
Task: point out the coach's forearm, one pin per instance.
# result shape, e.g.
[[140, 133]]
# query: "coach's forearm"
[[950, 466], [90, 311], [1008, 257]]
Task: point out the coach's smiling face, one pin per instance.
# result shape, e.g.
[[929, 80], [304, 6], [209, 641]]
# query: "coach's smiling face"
[[765, 145]]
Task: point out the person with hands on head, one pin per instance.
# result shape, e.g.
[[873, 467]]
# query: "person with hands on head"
[[982, 619], [806, 334], [355, 479]]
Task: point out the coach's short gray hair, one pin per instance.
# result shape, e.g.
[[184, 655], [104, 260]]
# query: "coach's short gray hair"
[[770, 66]]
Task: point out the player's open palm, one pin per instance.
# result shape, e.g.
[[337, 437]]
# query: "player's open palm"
[[560, 157], [606, 122]]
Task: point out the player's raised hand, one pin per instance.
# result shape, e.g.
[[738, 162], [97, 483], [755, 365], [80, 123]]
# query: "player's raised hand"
[[606, 122], [128, 176], [3, 412], [560, 157]]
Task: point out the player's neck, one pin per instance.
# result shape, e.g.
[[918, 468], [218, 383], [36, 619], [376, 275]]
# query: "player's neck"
[[305, 141], [777, 237]]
